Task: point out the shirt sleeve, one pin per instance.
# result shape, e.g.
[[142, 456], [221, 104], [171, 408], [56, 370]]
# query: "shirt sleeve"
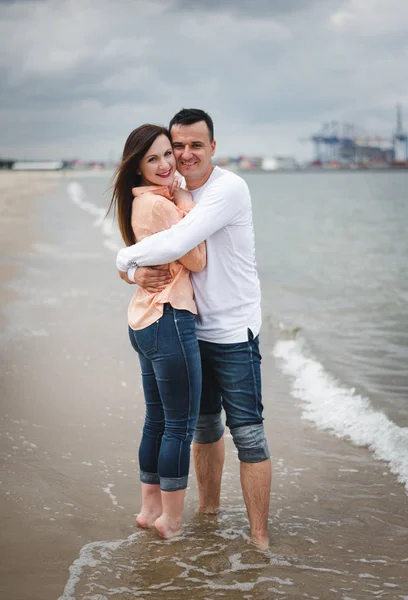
[[220, 207], [165, 214]]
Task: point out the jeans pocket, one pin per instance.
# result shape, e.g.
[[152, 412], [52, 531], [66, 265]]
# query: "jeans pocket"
[[147, 339], [185, 324], [254, 344], [183, 315]]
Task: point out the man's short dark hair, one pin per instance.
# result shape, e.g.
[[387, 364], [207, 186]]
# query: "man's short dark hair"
[[189, 116]]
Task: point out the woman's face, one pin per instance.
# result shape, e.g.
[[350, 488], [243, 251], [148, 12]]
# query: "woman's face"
[[158, 164]]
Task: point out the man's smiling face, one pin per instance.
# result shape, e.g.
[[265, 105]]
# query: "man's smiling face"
[[193, 150]]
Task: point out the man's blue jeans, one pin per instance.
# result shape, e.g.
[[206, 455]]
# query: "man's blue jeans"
[[171, 370], [232, 380]]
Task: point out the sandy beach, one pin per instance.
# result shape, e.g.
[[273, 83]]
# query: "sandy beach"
[[72, 411]]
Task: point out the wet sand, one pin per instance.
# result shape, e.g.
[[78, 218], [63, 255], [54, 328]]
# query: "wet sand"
[[72, 411]]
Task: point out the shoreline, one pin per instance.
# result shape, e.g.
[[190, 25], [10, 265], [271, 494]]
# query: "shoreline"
[[71, 421], [95, 173], [18, 196]]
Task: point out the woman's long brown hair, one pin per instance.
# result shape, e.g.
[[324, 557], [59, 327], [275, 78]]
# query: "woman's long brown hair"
[[126, 176]]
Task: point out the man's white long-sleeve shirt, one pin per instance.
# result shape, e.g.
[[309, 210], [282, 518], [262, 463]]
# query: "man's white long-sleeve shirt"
[[227, 291]]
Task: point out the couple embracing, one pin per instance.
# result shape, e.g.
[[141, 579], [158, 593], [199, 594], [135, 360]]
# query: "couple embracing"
[[194, 320]]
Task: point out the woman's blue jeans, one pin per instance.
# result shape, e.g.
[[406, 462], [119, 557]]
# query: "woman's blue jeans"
[[171, 371]]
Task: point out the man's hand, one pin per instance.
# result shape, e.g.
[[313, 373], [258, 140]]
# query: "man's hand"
[[123, 275], [153, 279]]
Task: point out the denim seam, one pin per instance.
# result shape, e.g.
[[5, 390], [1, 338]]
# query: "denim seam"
[[188, 377], [189, 392], [157, 335], [179, 459], [158, 444], [254, 378]]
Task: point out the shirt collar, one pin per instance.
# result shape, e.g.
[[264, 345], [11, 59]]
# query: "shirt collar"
[[160, 190]]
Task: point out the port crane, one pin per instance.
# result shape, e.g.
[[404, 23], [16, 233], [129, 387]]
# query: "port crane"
[[400, 136], [345, 142]]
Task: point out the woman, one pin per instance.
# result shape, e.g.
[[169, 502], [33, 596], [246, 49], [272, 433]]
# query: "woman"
[[161, 328]]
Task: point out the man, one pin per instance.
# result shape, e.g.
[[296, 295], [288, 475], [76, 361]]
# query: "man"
[[227, 293]]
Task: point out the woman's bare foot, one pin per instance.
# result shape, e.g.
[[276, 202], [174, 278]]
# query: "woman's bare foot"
[[167, 527], [151, 505], [146, 518]]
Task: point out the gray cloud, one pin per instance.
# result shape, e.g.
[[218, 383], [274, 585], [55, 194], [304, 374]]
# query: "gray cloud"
[[243, 7], [15, 2], [76, 77]]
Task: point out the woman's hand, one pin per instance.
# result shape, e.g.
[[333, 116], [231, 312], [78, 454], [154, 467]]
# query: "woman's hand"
[[183, 199], [175, 185]]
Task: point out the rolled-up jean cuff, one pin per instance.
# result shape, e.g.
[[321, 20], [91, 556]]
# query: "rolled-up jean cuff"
[[251, 443], [173, 484], [209, 430], [151, 478], [254, 455]]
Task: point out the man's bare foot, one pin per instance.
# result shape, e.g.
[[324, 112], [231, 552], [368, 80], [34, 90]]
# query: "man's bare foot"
[[261, 542], [167, 527], [146, 518], [208, 510]]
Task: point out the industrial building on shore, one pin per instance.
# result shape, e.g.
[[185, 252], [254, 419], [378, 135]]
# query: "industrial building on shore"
[[345, 146], [336, 146]]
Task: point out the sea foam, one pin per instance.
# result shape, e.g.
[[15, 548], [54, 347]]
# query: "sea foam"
[[77, 194], [340, 410], [91, 557]]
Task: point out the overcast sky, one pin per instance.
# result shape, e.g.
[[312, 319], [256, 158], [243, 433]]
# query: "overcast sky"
[[76, 76]]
